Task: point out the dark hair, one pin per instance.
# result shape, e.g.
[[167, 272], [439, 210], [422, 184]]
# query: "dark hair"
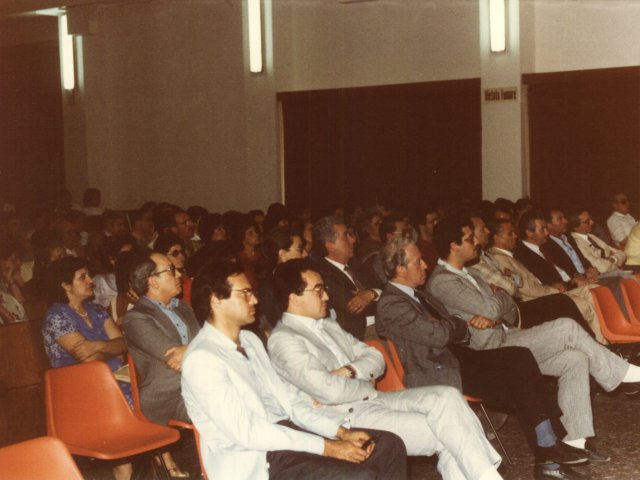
[[276, 213], [240, 229], [448, 231], [91, 197], [208, 224], [389, 226], [164, 217], [574, 221], [280, 238], [142, 266], [165, 241], [495, 227], [196, 212], [125, 262], [213, 252], [112, 246], [62, 271], [363, 222], [323, 232], [528, 223], [287, 279], [212, 279]]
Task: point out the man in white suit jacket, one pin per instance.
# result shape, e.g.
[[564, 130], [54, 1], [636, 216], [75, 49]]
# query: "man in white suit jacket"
[[249, 422], [336, 373]]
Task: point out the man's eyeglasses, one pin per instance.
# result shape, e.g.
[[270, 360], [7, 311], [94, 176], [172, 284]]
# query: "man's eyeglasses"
[[319, 289], [247, 293], [171, 269], [176, 253]]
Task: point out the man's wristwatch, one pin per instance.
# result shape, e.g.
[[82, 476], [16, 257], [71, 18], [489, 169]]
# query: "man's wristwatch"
[[352, 371]]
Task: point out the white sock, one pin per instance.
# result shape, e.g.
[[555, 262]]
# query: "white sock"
[[633, 374], [577, 443], [491, 474]]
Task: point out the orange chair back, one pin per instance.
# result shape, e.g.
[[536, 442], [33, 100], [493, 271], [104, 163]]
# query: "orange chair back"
[[613, 324], [88, 412], [44, 457], [395, 358], [135, 392], [631, 294], [391, 379]]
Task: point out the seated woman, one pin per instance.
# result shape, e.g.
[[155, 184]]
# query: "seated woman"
[[76, 330], [246, 239], [280, 245], [104, 284]]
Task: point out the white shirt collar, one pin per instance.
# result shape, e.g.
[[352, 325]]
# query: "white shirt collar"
[[506, 252], [533, 246], [584, 236], [463, 271], [308, 322]]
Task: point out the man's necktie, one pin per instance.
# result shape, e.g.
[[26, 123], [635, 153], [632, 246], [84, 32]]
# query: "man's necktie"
[[603, 254], [354, 279], [427, 306]]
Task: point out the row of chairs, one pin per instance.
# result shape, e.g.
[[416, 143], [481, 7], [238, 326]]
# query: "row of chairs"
[[393, 379], [615, 327]]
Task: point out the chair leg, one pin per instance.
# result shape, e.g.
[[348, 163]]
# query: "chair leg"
[[486, 416]]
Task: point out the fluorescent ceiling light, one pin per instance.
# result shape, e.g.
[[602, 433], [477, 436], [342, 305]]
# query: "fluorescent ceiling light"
[[66, 54], [497, 25], [255, 36]]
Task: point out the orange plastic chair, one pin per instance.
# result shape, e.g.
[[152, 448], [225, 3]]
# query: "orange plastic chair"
[[135, 394], [613, 324], [631, 295], [395, 358], [87, 411], [391, 379], [44, 457]]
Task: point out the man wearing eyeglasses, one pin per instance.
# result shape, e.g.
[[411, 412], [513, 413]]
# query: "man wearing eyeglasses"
[[157, 331], [336, 373], [621, 221], [252, 427]]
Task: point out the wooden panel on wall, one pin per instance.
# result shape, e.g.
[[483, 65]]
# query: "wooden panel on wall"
[[399, 145], [585, 138]]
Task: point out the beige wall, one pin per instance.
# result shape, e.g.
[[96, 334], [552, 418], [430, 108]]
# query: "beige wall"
[[168, 111]]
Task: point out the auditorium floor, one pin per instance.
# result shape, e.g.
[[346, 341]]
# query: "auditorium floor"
[[617, 426]]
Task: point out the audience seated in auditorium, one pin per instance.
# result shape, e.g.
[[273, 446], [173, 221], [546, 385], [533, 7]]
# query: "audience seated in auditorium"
[[158, 330], [142, 228], [251, 426], [70, 237], [335, 371], [538, 303], [430, 343], [560, 347], [425, 220], [620, 222], [76, 330], [246, 239]]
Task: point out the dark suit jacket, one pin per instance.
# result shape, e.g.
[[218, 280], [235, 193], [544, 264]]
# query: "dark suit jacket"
[[540, 267], [420, 338], [341, 290], [149, 333], [555, 254]]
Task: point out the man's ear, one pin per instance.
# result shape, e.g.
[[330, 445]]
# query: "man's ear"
[[329, 246], [293, 299], [214, 300]]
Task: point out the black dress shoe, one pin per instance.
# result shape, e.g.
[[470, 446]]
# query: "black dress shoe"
[[595, 456], [542, 472], [561, 453]]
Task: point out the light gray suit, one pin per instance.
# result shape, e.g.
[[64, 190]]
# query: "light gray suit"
[[428, 419], [149, 333], [561, 347]]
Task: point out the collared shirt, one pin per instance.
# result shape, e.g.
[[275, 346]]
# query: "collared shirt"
[[371, 319], [562, 242], [464, 273], [275, 411], [406, 289], [536, 249], [620, 226], [170, 311], [317, 327]]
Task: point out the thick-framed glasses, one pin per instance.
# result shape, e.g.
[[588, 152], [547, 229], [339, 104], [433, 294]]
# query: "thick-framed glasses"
[[319, 289], [247, 293], [176, 253], [171, 269]]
